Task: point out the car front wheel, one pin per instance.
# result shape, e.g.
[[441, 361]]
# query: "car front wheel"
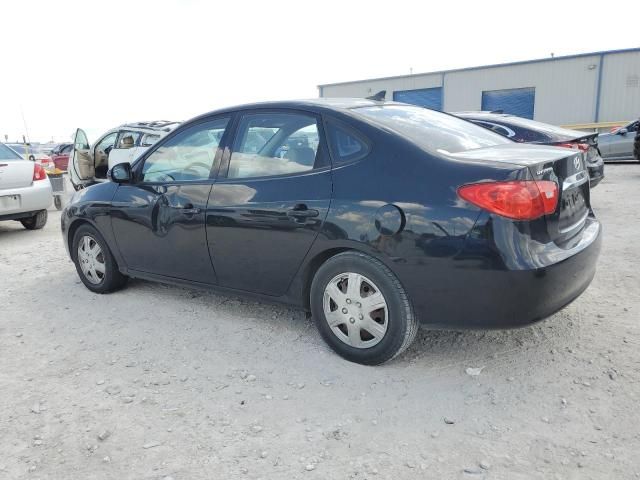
[[361, 309], [94, 262]]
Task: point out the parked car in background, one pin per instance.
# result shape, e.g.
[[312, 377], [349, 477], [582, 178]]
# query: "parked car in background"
[[523, 130], [25, 190], [60, 155], [375, 216], [618, 145], [90, 163], [32, 151]]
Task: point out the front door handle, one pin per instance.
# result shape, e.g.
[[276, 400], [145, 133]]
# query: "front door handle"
[[301, 212], [188, 209]]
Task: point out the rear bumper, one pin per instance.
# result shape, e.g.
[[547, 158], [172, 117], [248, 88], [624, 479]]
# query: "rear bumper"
[[484, 298], [37, 196]]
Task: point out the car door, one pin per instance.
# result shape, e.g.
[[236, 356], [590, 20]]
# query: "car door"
[[159, 219], [269, 201], [82, 169]]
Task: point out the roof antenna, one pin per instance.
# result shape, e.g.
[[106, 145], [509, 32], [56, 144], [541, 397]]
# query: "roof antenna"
[[378, 97]]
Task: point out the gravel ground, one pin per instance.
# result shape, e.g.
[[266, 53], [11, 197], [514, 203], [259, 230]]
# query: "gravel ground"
[[158, 382]]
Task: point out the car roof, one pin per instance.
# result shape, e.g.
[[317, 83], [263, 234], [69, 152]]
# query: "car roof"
[[341, 105], [153, 126]]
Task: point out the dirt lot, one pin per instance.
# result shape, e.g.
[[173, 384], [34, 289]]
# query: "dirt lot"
[[158, 382]]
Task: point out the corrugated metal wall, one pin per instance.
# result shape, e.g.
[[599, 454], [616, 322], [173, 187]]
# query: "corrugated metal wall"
[[565, 88], [620, 88]]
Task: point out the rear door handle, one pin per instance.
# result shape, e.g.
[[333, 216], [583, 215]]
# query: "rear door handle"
[[301, 212]]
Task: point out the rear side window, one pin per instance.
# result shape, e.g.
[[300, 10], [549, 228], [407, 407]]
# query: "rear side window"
[[7, 154], [270, 144], [346, 146], [432, 130]]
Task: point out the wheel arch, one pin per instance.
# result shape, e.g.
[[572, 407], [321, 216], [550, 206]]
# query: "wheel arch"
[[320, 258], [71, 233]]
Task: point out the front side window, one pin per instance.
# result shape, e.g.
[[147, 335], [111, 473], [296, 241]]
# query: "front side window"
[[434, 131], [106, 144], [188, 156], [274, 144]]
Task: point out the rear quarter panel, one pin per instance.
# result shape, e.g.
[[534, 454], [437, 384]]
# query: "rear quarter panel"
[[422, 187]]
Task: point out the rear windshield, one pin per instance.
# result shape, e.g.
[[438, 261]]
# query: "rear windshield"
[[433, 130], [7, 154], [551, 132]]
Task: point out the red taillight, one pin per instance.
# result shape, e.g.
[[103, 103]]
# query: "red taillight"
[[38, 172], [519, 200], [583, 147]]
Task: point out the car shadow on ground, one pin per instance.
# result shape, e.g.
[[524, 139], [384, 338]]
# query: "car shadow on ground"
[[434, 349]]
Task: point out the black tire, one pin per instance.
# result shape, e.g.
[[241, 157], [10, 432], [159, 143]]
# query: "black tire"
[[402, 324], [57, 202], [36, 222], [112, 278]]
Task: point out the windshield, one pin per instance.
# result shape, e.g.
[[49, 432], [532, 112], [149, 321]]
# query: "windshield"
[[433, 130], [7, 154]]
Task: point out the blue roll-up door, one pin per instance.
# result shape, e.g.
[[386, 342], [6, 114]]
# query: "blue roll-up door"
[[515, 101], [425, 97]]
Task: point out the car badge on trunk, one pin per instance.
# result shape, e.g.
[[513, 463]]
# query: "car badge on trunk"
[[576, 163]]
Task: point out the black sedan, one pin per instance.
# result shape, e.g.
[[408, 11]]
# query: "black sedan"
[[374, 216], [523, 130]]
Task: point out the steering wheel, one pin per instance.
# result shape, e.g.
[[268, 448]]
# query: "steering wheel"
[[194, 165]]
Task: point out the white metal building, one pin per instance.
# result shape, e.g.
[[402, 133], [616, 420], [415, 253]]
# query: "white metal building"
[[574, 89]]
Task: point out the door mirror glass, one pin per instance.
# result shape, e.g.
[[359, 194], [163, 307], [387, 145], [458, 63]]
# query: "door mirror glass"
[[121, 173], [622, 131]]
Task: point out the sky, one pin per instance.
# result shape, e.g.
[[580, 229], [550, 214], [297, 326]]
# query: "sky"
[[100, 63]]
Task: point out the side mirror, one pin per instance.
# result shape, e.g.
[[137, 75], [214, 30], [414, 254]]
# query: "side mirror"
[[622, 131], [121, 173]]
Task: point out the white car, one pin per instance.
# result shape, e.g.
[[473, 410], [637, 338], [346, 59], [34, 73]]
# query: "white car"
[[33, 152], [25, 190], [89, 164]]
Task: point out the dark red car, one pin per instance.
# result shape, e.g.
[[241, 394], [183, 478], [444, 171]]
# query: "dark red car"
[[60, 155]]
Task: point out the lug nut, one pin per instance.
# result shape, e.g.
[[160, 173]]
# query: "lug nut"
[[352, 320], [360, 316], [344, 310], [348, 300]]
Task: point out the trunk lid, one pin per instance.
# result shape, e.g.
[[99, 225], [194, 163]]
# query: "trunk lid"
[[564, 166], [15, 174]]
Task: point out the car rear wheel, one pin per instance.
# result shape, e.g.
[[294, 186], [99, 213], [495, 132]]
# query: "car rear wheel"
[[36, 222], [94, 262], [361, 309]]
